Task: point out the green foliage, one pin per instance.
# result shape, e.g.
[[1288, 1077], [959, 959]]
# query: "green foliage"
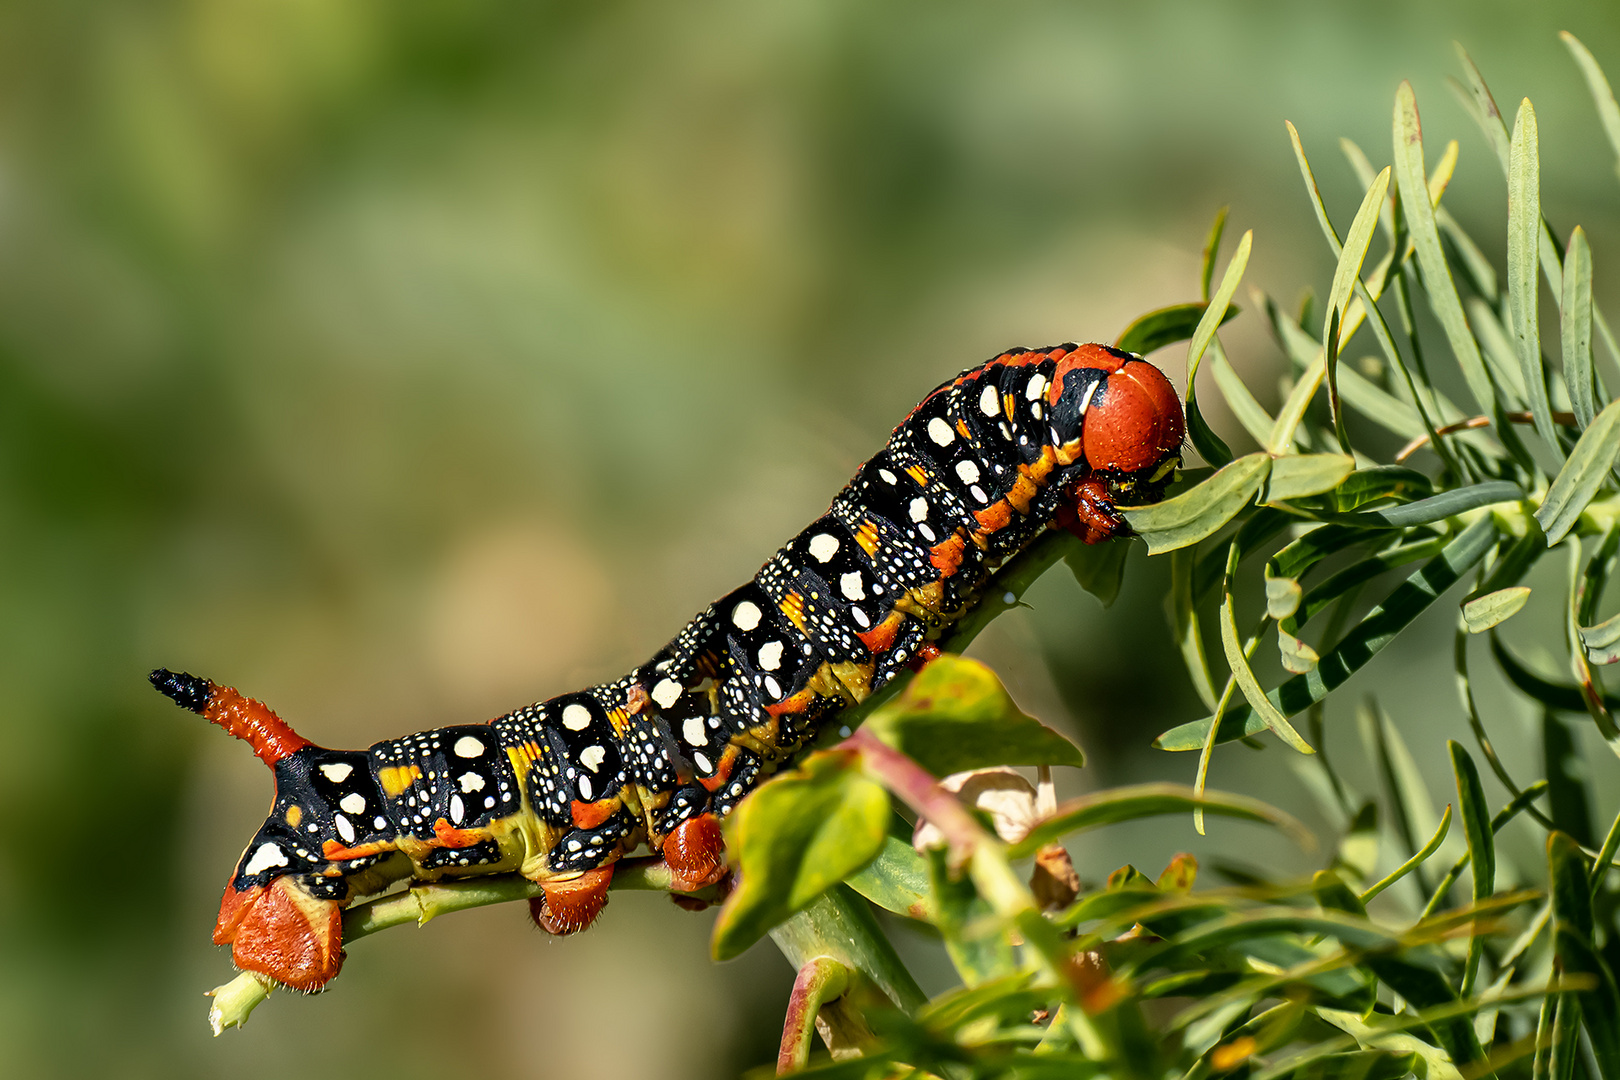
[[1144, 978]]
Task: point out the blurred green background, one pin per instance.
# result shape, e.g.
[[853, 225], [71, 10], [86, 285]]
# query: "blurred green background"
[[403, 362]]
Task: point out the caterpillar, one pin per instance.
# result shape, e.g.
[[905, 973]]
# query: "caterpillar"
[[559, 790]]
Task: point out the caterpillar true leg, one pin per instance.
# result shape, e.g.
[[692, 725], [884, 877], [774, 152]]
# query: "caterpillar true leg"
[[558, 791]]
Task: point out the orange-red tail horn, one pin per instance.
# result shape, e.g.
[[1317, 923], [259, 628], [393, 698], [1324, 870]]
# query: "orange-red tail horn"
[[249, 720]]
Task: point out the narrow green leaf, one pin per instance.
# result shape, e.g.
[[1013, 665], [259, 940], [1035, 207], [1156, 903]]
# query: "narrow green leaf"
[[1280, 440], [1476, 818], [1602, 94], [1166, 326], [1252, 692], [1602, 641], [1197, 513], [1494, 608], [1382, 482], [1437, 507], [955, 715], [1481, 274], [1411, 806], [1575, 330], [1418, 858], [1573, 946], [1437, 283], [1376, 630], [897, 880], [1581, 476], [1297, 476], [1383, 409], [1249, 412], [1212, 247], [1182, 613], [1501, 354], [1215, 313], [1567, 802], [1345, 276], [1523, 257], [1282, 596], [1137, 801], [1562, 696], [794, 838]]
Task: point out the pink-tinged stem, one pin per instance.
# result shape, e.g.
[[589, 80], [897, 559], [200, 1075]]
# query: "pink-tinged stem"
[[918, 789], [819, 981]]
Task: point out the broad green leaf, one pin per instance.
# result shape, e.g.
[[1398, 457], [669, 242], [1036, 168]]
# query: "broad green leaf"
[[1437, 283], [1494, 608], [974, 940], [1376, 630], [1166, 326], [1197, 513], [1573, 946], [1133, 802], [897, 880], [1297, 476], [1575, 330], [955, 715], [795, 837], [1099, 568], [1212, 247], [1523, 256], [1581, 476], [1602, 94]]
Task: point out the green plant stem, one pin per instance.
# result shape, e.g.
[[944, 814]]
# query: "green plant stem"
[[840, 925]]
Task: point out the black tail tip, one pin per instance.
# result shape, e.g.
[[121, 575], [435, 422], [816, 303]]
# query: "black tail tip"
[[186, 691]]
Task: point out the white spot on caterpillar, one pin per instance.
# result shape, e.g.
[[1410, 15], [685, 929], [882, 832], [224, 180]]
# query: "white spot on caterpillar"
[[1085, 399], [337, 773], [267, 856], [458, 809], [770, 654], [470, 782], [745, 616], [666, 693], [888, 477], [978, 493], [941, 432], [1035, 410], [591, 757], [1037, 384], [469, 747], [353, 802], [345, 831], [586, 792], [704, 764], [576, 717], [772, 687], [989, 401], [851, 586], [380, 822], [860, 616], [823, 546], [928, 534], [918, 509], [968, 471], [692, 731]]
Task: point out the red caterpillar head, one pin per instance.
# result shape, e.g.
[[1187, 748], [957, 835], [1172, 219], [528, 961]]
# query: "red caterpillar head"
[[273, 924], [1120, 414]]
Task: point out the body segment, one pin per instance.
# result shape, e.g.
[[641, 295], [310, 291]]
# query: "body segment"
[[559, 790]]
